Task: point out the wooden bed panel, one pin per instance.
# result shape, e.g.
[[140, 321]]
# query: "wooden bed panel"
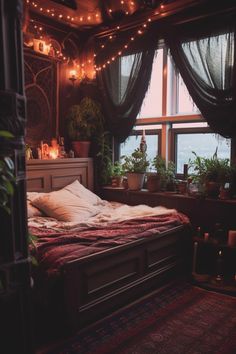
[[49, 175], [110, 280]]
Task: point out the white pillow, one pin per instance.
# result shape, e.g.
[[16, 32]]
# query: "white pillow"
[[32, 211], [80, 191], [32, 195], [65, 206]]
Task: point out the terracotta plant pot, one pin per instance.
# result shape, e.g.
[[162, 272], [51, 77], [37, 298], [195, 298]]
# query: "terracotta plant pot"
[[117, 181], [135, 181], [81, 148], [153, 183]]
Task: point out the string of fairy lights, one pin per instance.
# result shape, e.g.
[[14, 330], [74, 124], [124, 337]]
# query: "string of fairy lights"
[[142, 28], [127, 6]]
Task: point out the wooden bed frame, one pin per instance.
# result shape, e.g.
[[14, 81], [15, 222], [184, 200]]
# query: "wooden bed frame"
[[97, 284]]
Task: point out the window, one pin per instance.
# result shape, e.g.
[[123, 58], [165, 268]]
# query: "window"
[[125, 70], [152, 103], [203, 144], [133, 141], [169, 106], [185, 103]]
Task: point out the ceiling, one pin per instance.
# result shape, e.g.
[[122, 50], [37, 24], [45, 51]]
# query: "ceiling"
[[89, 14]]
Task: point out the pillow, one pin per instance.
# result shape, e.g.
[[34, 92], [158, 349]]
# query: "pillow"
[[80, 191], [63, 205], [32, 195], [32, 211]]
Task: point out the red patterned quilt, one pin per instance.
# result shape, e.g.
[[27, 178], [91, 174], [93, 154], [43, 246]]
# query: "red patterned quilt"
[[55, 247]]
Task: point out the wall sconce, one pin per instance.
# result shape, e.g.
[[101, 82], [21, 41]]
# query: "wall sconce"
[[73, 76]]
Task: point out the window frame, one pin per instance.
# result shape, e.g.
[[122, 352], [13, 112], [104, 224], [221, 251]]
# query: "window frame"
[[166, 139], [197, 130]]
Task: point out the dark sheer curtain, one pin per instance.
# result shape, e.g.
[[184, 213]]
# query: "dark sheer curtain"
[[123, 85], [206, 62]]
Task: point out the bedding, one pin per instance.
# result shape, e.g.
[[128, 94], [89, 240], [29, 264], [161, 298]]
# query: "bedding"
[[65, 206], [61, 242], [32, 210], [79, 223]]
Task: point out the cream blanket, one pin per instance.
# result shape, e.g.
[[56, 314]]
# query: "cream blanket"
[[109, 213]]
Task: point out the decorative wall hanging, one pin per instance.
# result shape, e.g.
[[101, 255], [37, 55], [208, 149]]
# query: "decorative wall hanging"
[[42, 98]]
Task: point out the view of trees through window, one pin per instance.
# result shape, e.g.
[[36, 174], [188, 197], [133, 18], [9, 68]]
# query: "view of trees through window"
[[168, 102]]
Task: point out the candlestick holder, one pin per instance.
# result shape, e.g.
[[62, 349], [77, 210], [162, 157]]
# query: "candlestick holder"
[[219, 267]]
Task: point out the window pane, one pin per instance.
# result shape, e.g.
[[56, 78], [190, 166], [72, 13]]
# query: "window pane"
[[152, 103], [204, 144], [133, 142], [185, 102], [125, 71]]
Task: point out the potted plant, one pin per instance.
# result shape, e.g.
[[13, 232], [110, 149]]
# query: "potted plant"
[[117, 174], [135, 167], [164, 176], [211, 173], [84, 121]]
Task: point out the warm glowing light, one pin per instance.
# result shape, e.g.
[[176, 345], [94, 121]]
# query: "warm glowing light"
[[53, 153], [73, 73]]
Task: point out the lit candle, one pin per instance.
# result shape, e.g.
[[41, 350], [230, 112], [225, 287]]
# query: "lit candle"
[[53, 153], [195, 246], [219, 266]]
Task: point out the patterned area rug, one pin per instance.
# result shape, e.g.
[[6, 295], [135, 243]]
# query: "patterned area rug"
[[183, 320]]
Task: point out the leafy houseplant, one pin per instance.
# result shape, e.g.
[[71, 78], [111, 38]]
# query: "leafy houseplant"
[[164, 176], [103, 158], [117, 174], [84, 122], [211, 173], [135, 167]]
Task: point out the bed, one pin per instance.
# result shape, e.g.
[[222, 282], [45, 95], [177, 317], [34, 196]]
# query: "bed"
[[93, 264]]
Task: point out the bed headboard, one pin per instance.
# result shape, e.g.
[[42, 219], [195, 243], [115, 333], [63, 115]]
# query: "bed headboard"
[[49, 175]]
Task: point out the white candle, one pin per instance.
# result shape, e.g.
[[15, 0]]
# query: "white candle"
[[195, 257]]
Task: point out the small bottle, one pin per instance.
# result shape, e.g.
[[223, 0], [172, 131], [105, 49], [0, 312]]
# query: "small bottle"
[[62, 151], [185, 171], [71, 154], [143, 144]]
